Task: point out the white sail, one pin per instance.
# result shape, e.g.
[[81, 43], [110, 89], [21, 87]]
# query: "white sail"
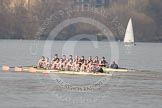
[[129, 35]]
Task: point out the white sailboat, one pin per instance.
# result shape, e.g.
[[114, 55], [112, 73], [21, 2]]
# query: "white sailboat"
[[129, 35]]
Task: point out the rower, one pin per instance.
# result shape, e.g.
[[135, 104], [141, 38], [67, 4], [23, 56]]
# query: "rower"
[[64, 61], [75, 65], [41, 62], [81, 61], [114, 65], [90, 59], [55, 58], [76, 58], [70, 58], [64, 58], [103, 62], [91, 66], [55, 64], [84, 66], [96, 61], [61, 64], [69, 64]]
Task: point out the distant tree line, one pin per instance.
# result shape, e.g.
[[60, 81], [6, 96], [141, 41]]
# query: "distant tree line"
[[21, 19]]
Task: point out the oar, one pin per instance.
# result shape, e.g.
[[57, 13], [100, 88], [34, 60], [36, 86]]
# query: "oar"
[[16, 68], [5, 68]]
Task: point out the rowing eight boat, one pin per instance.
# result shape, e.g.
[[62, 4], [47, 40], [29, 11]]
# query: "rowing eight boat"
[[34, 70], [31, 69]]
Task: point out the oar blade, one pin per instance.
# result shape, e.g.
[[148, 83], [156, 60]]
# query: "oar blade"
[[18, 69], [5, 68], [46, 72], [32, 70]]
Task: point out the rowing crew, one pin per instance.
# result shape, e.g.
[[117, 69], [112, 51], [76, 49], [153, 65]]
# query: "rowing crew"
[[76, 64]]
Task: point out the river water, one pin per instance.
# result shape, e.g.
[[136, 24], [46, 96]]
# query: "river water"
[[140, 88]]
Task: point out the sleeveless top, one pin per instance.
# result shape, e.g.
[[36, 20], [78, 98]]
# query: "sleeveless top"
[[103, 62]]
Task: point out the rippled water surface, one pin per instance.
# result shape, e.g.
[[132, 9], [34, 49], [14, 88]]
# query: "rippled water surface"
[[140, 89]]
